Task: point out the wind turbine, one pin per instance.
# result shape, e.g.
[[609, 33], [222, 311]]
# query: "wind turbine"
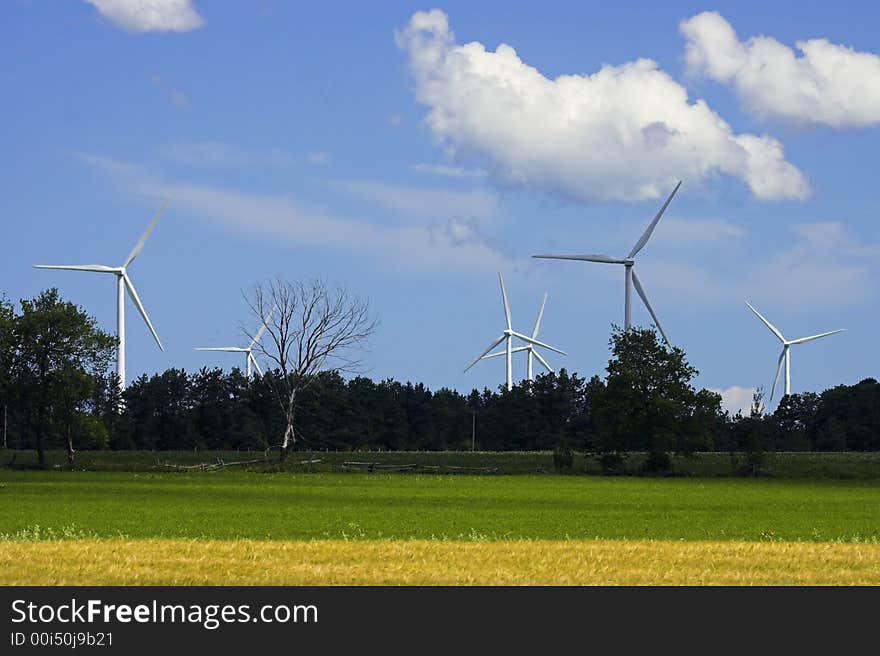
[[507, 336], [123, 284], [786, 350], [247, 350], [530, 348], [630, 278]]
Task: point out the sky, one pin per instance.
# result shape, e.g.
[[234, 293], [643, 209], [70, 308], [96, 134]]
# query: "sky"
[[411, 152]]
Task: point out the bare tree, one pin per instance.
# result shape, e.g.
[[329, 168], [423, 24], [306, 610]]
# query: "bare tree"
[[310, 328]]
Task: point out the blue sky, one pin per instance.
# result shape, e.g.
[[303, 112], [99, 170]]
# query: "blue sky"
[[408, 157]]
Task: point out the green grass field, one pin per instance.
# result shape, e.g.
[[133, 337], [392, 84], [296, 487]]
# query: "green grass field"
[[285, 506], [293, 528]]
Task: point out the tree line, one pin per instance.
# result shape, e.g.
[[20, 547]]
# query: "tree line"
[[58, 391]]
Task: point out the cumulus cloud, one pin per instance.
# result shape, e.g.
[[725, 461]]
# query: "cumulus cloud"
[[625, 132], [736, 399], [827, 83], [150, 15]]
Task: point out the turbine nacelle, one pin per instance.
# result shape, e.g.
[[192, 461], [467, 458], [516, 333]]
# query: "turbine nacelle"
[[785, 356], [631, 279], [507, 335], [124, 285], [248, 350]]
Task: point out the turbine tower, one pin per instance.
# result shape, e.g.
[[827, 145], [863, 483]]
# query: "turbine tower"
[[530, 348], [786, 350], [123, 284], [630, 278], [247, 350], [507, 336]]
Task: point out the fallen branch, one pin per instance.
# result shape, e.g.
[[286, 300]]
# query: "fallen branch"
[[220, 464], [375, 466]]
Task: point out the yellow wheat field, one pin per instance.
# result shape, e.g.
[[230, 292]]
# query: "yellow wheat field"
[[333, 562]]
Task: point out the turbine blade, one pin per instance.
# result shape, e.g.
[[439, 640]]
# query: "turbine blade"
[[812, 337], [640, 244], [528, 339], [491, 346], [543, 361], [504, 299], [262, 328], [255, 363], [499, 353], [641, 292], [132, 292], [605, 259], [99, 268], [228, 349], [776, 377], [767, 323], [540, 316], [138, 247]]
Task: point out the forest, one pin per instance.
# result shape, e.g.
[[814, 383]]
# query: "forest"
[[56, 390]]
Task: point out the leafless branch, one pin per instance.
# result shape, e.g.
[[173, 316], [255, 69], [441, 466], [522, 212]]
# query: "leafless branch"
[[309, 328]]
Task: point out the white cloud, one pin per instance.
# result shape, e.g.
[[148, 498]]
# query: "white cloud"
[[626, 132], [736, 399], [180, 99], [699, 233], [820, 265], [150, 15], [204, 154], [416, 202], [828, 83], [448, 246], [220, 155], [448, 171], [318, 158]]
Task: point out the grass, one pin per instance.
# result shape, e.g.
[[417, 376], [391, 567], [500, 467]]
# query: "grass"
[[777, 465], [248, 528], [336, 562], [283, 506]]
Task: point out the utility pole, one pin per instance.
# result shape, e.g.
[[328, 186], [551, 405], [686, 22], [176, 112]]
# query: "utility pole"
[[473, 430], [4, 425]]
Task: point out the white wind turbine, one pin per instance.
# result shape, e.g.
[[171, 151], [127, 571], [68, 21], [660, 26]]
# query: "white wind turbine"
[[786, 350], [248, 350], [530, 348], [631, 279], [123, 284], [507, 336]]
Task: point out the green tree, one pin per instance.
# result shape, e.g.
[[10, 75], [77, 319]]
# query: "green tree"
[[792, 421], [59, 357], [7, 350], [750, 438], [848, 418], [648, 403]]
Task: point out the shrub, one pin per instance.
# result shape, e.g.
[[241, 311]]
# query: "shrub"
[[658, 462], [611, 463], [563, 457]]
